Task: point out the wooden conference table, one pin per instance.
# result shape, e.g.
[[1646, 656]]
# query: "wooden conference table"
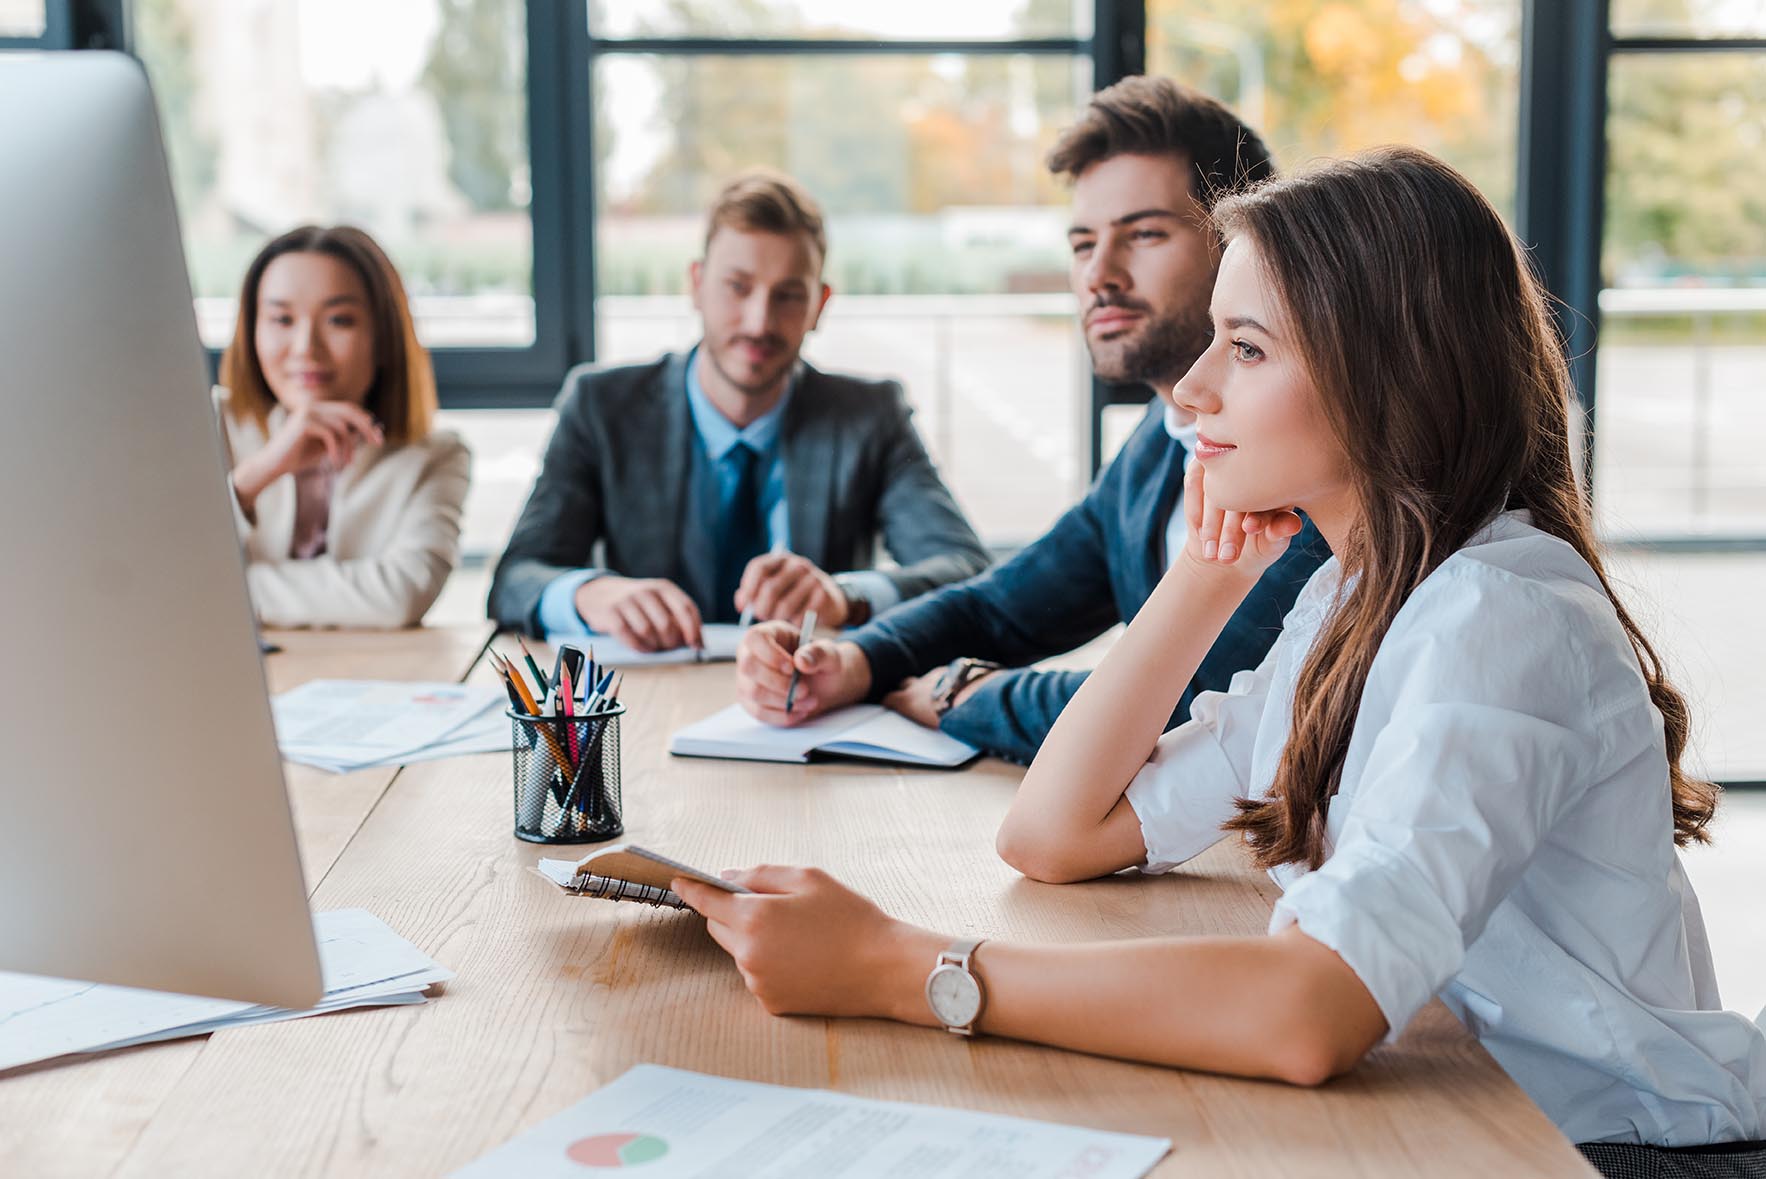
[[558, 995]]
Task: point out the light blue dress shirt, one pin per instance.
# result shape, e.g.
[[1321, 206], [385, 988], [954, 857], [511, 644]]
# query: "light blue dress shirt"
[[1177, 526], [717, 434]]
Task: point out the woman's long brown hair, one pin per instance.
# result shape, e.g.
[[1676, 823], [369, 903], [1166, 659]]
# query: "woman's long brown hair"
[[1436, 362], [402, 396]]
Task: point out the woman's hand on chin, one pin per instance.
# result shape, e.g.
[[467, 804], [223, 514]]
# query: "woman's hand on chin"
[[1246, 541]]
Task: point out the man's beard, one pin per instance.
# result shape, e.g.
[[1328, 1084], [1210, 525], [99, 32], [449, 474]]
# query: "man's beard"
[[1161, 351], [770, 377]]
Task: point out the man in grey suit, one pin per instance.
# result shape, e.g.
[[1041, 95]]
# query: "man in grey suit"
[[734, 477]]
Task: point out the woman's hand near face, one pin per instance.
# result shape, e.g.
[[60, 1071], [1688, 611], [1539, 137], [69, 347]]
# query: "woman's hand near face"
[[312, 432], [806, 944], [1247, 541]]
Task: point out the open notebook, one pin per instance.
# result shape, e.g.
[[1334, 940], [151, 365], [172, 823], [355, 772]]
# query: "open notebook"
[[867, 731]]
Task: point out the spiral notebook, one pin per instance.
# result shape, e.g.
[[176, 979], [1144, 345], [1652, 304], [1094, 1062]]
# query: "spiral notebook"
[[627, 872]]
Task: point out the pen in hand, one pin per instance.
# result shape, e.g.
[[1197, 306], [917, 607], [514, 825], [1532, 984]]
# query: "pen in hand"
[[747, 619], [803, 638]]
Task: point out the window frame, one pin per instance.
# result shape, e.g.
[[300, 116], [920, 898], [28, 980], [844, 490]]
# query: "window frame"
[[1567, 47]]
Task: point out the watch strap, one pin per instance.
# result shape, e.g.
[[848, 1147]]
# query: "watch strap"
[[858, 606], [957, 675], [958, 952]]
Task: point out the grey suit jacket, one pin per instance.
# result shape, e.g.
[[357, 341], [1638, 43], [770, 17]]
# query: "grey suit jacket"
[[616, 471]]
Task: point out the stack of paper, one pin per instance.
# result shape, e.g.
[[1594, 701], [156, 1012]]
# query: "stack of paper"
[[342, 725], [364, 963]]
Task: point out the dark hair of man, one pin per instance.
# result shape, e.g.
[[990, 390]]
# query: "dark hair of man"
[[761, 200], [1156, 117]]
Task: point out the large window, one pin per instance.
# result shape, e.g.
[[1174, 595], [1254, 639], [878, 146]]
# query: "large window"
[[979, 20], [1326, 79], [22, 19], [408, 119], [1689, 18], [1682, 363]]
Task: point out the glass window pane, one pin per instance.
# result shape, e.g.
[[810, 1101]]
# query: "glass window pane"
[[1683, 336], [506, 448], [407, 119], [1688, 18], [947, 247], [1328, 79], [910, 20], [22, 18]]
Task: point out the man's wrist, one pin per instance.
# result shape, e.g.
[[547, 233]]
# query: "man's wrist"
[[959, 678], [855, 670], [970, 688], [858, 604], [858, 609], [587, 597]]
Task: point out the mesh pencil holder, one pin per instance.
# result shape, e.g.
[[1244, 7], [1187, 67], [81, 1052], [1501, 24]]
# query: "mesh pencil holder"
[[567, 776]]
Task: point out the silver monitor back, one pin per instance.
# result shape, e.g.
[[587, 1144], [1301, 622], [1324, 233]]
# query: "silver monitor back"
[[145, 834]]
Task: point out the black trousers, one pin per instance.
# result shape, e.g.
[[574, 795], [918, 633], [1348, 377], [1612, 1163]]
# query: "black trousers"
[[1725, 1160]]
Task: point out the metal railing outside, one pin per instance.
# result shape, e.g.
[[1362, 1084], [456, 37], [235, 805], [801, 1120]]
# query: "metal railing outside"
[[1703, 308]]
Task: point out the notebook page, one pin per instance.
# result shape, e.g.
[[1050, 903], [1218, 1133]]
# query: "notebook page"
[[890, 736], [733, 733]]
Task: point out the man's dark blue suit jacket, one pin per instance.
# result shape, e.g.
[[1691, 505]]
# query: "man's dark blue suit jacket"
[[1096, 567]]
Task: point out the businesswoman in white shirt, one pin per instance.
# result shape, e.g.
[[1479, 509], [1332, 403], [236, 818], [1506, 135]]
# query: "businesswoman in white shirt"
[[1461, 760], [348, 502]]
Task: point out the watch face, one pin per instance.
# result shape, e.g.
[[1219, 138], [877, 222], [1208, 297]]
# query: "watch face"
[[954, 995]]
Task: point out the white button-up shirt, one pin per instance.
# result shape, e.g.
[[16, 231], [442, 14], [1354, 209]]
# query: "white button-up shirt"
[[1502, 839]]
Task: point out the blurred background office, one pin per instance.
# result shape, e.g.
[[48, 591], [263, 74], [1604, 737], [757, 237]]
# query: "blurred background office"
[[538, 171]]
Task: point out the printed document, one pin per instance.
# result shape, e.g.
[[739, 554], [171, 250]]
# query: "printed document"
[[343, 725], [364, 964], [684, 1125]]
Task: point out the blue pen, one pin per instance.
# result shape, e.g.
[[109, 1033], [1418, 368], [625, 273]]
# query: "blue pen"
[[593, 703]]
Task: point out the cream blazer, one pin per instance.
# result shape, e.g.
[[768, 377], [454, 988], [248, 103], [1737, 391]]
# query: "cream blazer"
[[392, 538]]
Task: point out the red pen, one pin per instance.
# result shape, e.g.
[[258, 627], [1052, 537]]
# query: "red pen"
[[567, 703]]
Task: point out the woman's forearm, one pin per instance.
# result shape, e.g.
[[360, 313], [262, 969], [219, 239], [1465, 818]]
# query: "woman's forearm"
[[249, 477], [1283, 1006], [1069, 819]]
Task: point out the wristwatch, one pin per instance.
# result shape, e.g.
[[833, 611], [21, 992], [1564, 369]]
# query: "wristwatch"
[[956, 676], [858, 607], [952, 990]]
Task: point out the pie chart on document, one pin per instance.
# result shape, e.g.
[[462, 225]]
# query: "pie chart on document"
[[617, 1150]]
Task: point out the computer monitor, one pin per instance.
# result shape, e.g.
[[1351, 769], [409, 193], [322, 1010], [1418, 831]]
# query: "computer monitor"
[[145, 834]]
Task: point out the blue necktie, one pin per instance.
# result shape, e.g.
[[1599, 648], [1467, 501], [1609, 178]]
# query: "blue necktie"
[[741, 534]]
